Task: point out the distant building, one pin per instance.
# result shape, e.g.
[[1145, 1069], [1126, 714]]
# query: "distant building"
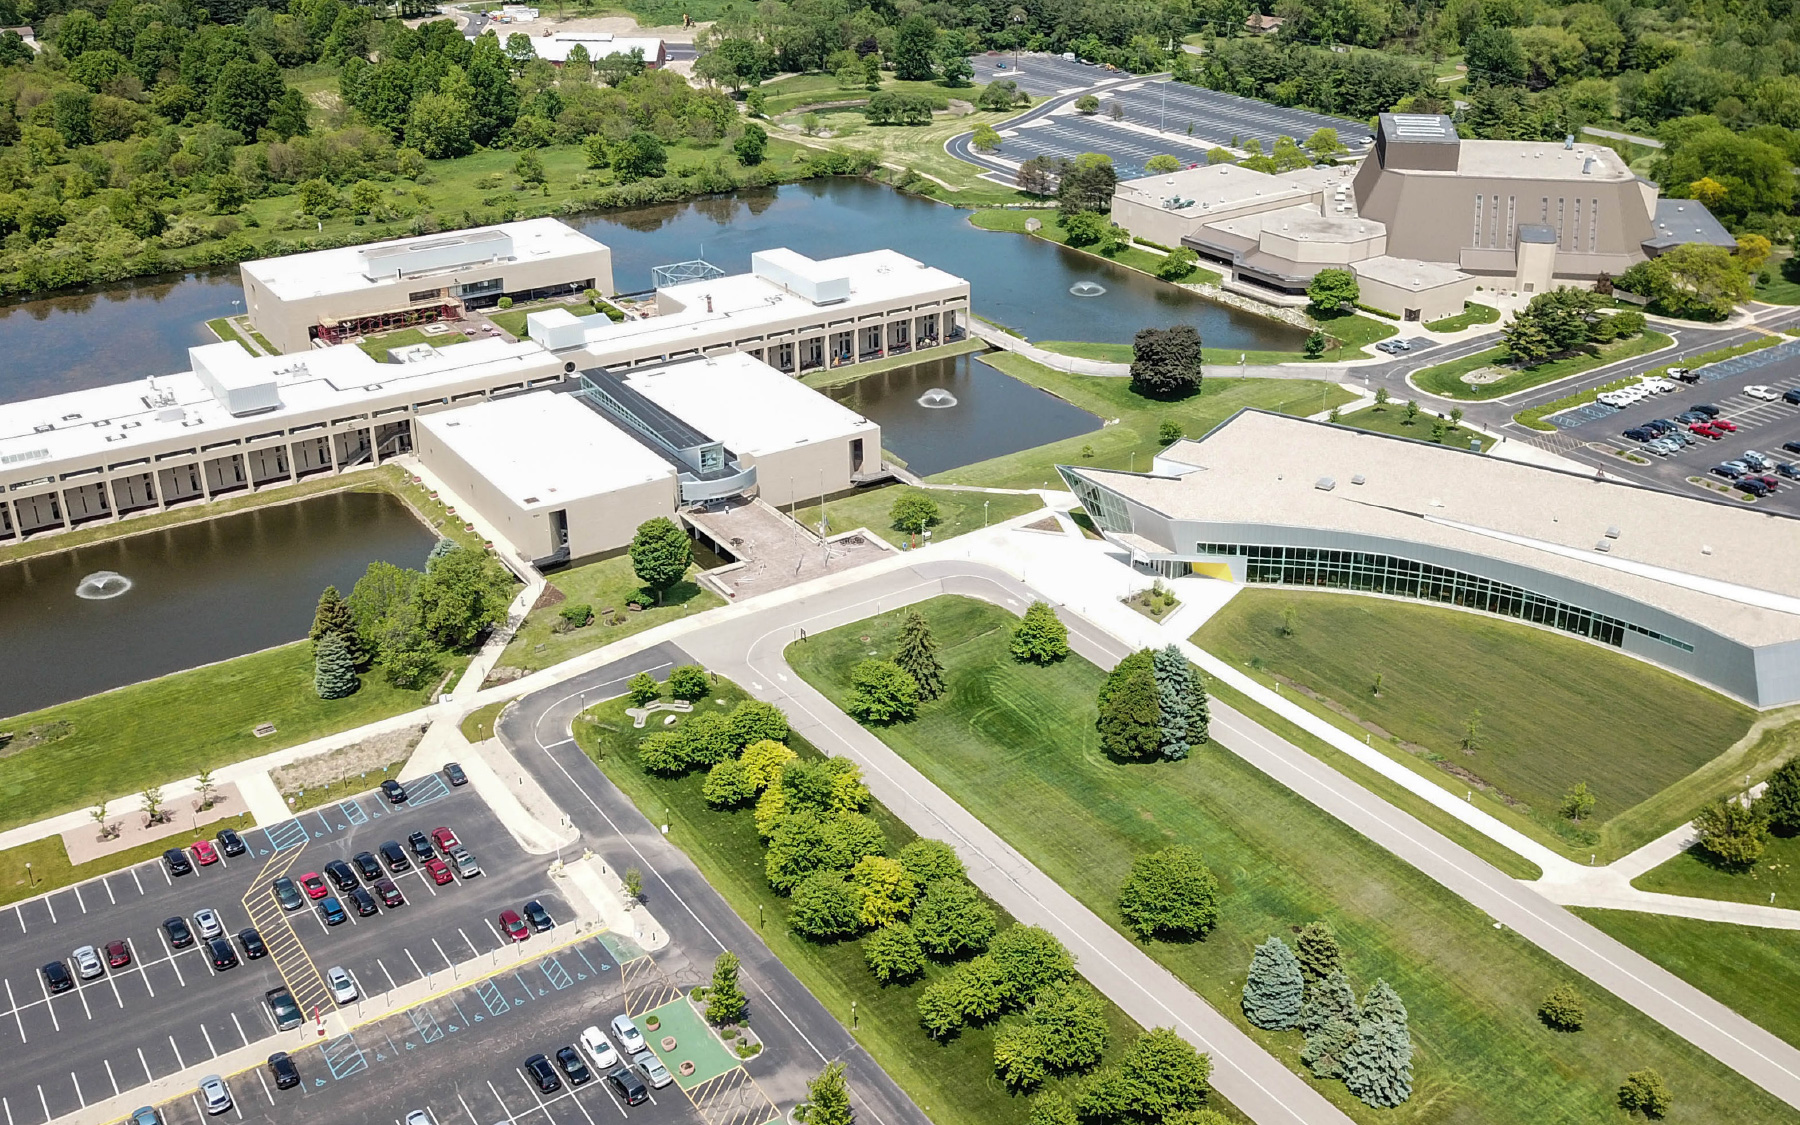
[[555, 48], [1264, 25]]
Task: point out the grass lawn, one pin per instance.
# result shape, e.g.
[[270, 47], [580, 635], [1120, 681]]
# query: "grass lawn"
[[221, 327], [363, 781], [478, 725], [786, 94], [1353, 330], [1136, 257], [1114, 446], [953, 1082], [1774, 880], [1779, 290], [378, 346], [1549, 704], [1445, 379], [1016, 745], [1472, 314], [513, 320], [960, 511], [175, 726], [602, 585], [50, 866], [918, 147], [1391, 419], [824, 377], [1089, 349], [1754, 971]]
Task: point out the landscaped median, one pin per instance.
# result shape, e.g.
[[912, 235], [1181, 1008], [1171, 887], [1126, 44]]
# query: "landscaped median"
[[1535, 416], [43, 865], [1472, 314], [957, 512], [1446, 379]]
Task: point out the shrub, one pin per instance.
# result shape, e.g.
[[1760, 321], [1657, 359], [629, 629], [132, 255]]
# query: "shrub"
[[1170, 894], [952, 919], [506, 302], [1563, 1009], [1732, 833], [930, 860], [882, 692], [1644, 1091], [824, 907], [1168, 432], [689, 682], [755, 721], [1041, 638], [893, 954], [728, 785], [576, 615]]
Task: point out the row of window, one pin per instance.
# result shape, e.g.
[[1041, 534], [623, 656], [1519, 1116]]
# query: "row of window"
[[1408, 578]]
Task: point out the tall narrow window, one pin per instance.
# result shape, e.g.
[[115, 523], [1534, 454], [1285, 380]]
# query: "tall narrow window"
[[1477, 241], [1512, 224]]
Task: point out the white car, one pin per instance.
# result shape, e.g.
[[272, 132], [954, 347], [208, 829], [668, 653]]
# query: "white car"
[[343, 989], [599, 1049], [214, 1094], [420, 1117], [1766, 393], [627, 1034], [1660, 386], [208, 922], [652, 1069], [87, 962]]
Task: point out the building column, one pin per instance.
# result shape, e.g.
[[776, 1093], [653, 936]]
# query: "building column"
[[10, 518]]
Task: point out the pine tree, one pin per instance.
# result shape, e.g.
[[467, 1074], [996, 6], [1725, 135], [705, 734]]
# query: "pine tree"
[[1041, 637], [1327, 999], [1317, 949], [1326, 1047], [1781, 799], [1176, 689], [333, 616], [334, 671], [1378, 1065], [1131, 721], [1200, 718], [918, 655], [1274, 989], [725, 1002]]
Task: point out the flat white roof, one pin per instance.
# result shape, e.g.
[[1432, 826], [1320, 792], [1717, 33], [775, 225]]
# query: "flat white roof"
[[1538, 160], [1303, 223], [544, 449], [321, 272], [746, 404], [1409, 273], [555, 48], [1214, 186]]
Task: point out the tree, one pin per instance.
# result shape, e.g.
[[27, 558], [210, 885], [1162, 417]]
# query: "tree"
[[824, 907], [1563, 1009], [1162, 163], [986, 139], [1492, 54], [660, 554], [1691, 280], [1035, 175], [827, 1099], [893, 954], [1181, 700], [764, 762], [334, 669], [1177, 264], [529, 167], [1086, 185], [1166, 362], [751, 145], [953, 63], [1733, 833], [1577, 803], [1324, 144], [1170, 894], [725, 1000], [882, 692], [1333, 289], [918, 655], [1471, 739], [1085, 228], [690, 682], [643, 689], [887, 890], [639, 156], [225, 193], [1087, 105], [98, 815], [1526, 340], [633, 883], [913, 511], [1330, 1018], [1274, 988], [332, 616], [915, 43], [1161, 1075], [1029, 959], [952, 919], [317, 197], [755, 721], [1316, 948], [465, 591], [153, 802], [728, 785], [1780, 801], [442, 124], [205, 787], [1040, 637], [1644, 1091], [1378, 1064], [1316, 343], [1130, 720], [1168, 432], [1072, 1017]]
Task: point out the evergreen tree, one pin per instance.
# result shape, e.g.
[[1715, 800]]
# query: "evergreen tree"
[[1176, 687], [1780, 802], [1318, 952], [827, 1099], [1378, 1065], [725, 1001], [1041, 637], [918, 655], [334, 670], [333, 616], [1274, 990], [1329, 1018], [1131, 720], [1325, 1048]]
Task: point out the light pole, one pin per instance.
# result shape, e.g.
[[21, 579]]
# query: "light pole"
[[984, 512]]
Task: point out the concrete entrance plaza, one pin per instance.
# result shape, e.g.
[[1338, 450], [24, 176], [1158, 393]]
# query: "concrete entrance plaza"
[[774, 551]]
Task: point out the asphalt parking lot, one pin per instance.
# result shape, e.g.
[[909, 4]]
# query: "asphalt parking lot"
[[170, 1009], [1068, 137], [1215, 118], [1761, 425], [1041, 75]]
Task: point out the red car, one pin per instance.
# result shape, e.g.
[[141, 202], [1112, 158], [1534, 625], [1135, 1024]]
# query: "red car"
[[118, 954], [1705, 430], [1724, 425], [204, 853], [314, 885], [514, 926], [445, 840], [438, 870]]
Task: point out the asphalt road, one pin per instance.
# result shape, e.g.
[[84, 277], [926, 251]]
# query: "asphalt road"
[[801, 1034]]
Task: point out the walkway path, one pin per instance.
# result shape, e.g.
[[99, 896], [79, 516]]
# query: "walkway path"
[[1006, 341]]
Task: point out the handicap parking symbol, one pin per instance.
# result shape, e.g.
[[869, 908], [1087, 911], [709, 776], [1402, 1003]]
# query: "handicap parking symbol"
[[453, 1027], [318, 1082]]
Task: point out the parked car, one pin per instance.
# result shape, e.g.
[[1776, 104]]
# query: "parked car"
[[1725, 471], [223, 955], [652, 1069], [314, 885], [454, 774], [1725, 424], [1685, 374], [215, 1095], [1707, 409], [1791, 395], [204, 853], [514, 926], [439, 871], [286, 1013], [1639, 433], [340, 873], [118, 954], [1660, 386], [86, 960], [1791, 446], [1762, 392], [537, 1069], [343, 989], [394, 856], [631, 1040], [538, 917], [180, 937], [568, 1060], [1753, 486], [252, 943], [390, 894], [445, 840], [420, 1117], [1705, 430], [628, 1086], [178, 862], [287, 894], [145, 1116], [1689, 417], [420, 845], [465, 863], [208, 922], [1789, 470], [287, 1075], [393, 791], [332, 910], [364, 903], [598, 1048], [230, 842], [57, 978]]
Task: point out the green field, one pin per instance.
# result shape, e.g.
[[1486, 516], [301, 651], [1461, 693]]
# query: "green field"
[[954, 1081], [1549, 705], [1391, 419], [1472, 314], [1774, 880], [378, 347], [823, 377], [1114, 446], [602, 585], [221, 327], [961, 512], [899, 147], [175, 726], [1754, 971], [1016, 746], [1445, 379], [50, 867]]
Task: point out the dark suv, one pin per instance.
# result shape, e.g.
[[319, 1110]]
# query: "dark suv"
[[537, 1069], [628, 1086], [420, 845], [394, 856], [340, 873], [368, 865], [281, 1005], [178, 861], [57, 978]]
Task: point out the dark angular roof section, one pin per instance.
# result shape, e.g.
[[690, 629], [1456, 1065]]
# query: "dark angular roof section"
[[1680, 221]]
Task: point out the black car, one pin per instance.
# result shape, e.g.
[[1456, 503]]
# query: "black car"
[[364, 902], [230, 842], [287, 1075], [340, 873], [1791, 395], [394, 856], [628, 1086], [1689, 417], [538, 917], [223, 956], [537, 1069], [178, 861], [1752, 486], [1707, 409], [287, 894], [1659, 426], [1638, 433], [420, 845], [367, 865], [568, 1060], [332, 910], [1789, 470], [393, 791], [1791, 446], [390, 894], [281, 1005], [57, 978], [252, 943], [180, 937], [1725, 471], [454, 774]]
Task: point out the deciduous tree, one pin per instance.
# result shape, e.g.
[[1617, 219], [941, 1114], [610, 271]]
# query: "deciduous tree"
[[953, 920], [1087, 184], [725, 1000], [1029, 959], [913, 511], [1731, 832], [1564, 1009], [1577, 803], [1332, 289], [728, 785], [1645, 1091], [1170, 894], [465, 592], [643, 689], [1161, 1075], [886, 888], [751, 145], [893, 954], [915, 45], [660, 554], [930, 860], [1780, 801], [882, 692], [755, 721], [1274, 988], [827, 1099], [1040, 637], [823, 907], [1166, 363]]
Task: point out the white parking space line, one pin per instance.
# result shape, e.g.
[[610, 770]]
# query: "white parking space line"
[[465, 937], [167, 878], [209, 1042], [79, 901], [176, 1047], [109, 1076], [265, 1085], [430, 883], [138, 967], [448, 964], [148, 1077], [54, 1022], [50, 905], [169, 956], [109, 894], [81, 991], [415, 964], [14, 1004], [111, 979], [45, 1102], [138, 881], [237, 1109], [498, 940], [77, 1083], [388, 975], [21, 914], [240, 1027], [459, 1098]]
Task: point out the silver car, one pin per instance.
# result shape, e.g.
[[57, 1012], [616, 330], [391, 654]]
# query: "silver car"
[[87, 962], [208, 922], [652, 1069], [214, 1094], [343, 988]]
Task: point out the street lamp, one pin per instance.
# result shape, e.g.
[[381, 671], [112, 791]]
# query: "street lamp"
[[984, 512]]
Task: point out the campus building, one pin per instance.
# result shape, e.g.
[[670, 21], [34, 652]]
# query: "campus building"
[[1681, 582], [329, 296], [1422, 220], [555, 48]]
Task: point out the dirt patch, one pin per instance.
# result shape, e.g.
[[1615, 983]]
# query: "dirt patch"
[[1048, 523], [371, 754], [1484, 375], [40, 735], [550, 597]]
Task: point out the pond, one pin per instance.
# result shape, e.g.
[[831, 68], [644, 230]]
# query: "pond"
[[946, 413], [134, 329], [98, 617]]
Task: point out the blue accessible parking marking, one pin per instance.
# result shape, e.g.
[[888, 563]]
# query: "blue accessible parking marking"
[[489, 994], [344, 1058], [427, 790], [554, 972], [353, 812], [426, 1024], [287, 834]]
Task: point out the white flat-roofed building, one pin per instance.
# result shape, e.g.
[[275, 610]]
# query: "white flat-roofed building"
[[555, 48], [801, 443], [1679, 581], [552, 475], [333, 295], [794, 313]]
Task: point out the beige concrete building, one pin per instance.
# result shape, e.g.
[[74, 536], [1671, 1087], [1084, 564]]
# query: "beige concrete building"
[[328, 296]]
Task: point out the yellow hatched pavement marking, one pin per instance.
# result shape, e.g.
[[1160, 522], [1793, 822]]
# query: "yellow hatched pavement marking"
[[646, 987], [298, 972], [733, 1098]]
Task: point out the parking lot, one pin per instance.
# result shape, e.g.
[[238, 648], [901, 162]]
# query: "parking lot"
[[1211, 117], [1041, 75], [1068, 137], [169, 1008], [1761, 425]]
